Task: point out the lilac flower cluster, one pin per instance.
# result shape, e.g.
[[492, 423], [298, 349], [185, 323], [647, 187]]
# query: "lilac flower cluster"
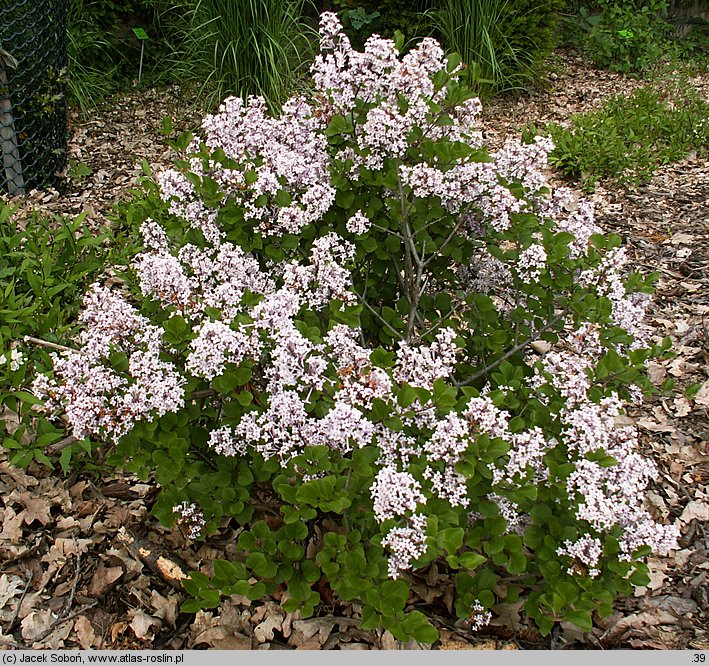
[[97, 399], [406, 544], [191, 518], [604, 495], [628, 308], [479, 617], [422, 365], [586, 552]]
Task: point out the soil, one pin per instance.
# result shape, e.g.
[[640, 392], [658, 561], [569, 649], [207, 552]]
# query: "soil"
[[79, 553]]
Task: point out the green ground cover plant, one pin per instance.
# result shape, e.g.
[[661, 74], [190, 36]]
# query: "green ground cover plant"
[[631, 136], [45, 269], [325, 339]]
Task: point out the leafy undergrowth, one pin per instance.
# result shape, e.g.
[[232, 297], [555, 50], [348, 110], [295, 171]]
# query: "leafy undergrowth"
[[631, 136]]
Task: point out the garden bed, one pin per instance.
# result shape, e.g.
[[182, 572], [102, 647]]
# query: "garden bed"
[[66, 541]]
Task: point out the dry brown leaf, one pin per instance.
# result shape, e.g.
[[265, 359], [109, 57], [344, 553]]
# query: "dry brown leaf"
[[654, 426], [264, 631], [10, 587], [85, 633], [220, 638], [695, 510], [35, 508], [142, 624], [682, 407], [35, 624], [19, 477], [313, 630], [209, 630], [656, 373], [103, 579], [165, 607], [64, 548], [55, 640], [11, 526], [508, 615]]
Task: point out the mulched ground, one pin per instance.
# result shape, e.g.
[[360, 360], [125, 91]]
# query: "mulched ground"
[[79, 555]]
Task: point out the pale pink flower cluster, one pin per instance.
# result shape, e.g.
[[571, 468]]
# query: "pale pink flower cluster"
[[359, 382], [216, 345], [586, 551], [612, 495], [532, 263], [450, 439], [97, 399], [359, 223], [217, 277], [516, 522], [605, 495], [328, 276], [527, 451], [191, 518], [524, 162], [466, 187], [284, 154], [223, 442], [395, 494], [405, 544], [284, 429], [479, 617], [180, 193], [628, 308], [423, 365]]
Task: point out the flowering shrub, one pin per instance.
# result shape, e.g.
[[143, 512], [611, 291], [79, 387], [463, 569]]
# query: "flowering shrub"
[[374, 345]]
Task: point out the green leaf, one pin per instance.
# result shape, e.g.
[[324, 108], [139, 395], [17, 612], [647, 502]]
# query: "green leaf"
[[417, 625], [471, 560], [283, 198], [27, 398], [582, 619], [190, 606], [406, 396], [395, 594], [258, 563]]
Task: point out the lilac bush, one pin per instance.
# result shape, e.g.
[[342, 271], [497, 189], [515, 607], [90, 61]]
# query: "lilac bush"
[[408, 347]]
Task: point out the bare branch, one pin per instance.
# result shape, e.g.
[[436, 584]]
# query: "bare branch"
[[51, 345], [378, 316], [55, 448], [512, 351]]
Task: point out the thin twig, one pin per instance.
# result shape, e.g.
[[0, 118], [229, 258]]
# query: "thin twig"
[[51, 345], [64, 618], [450, 237], [376, 314], [27, 583], [205, 393], [512, 351], [70, 602], [66, 615], [53, 449]]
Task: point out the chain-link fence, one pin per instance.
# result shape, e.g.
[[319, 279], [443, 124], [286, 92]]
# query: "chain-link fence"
[[33, 72]]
